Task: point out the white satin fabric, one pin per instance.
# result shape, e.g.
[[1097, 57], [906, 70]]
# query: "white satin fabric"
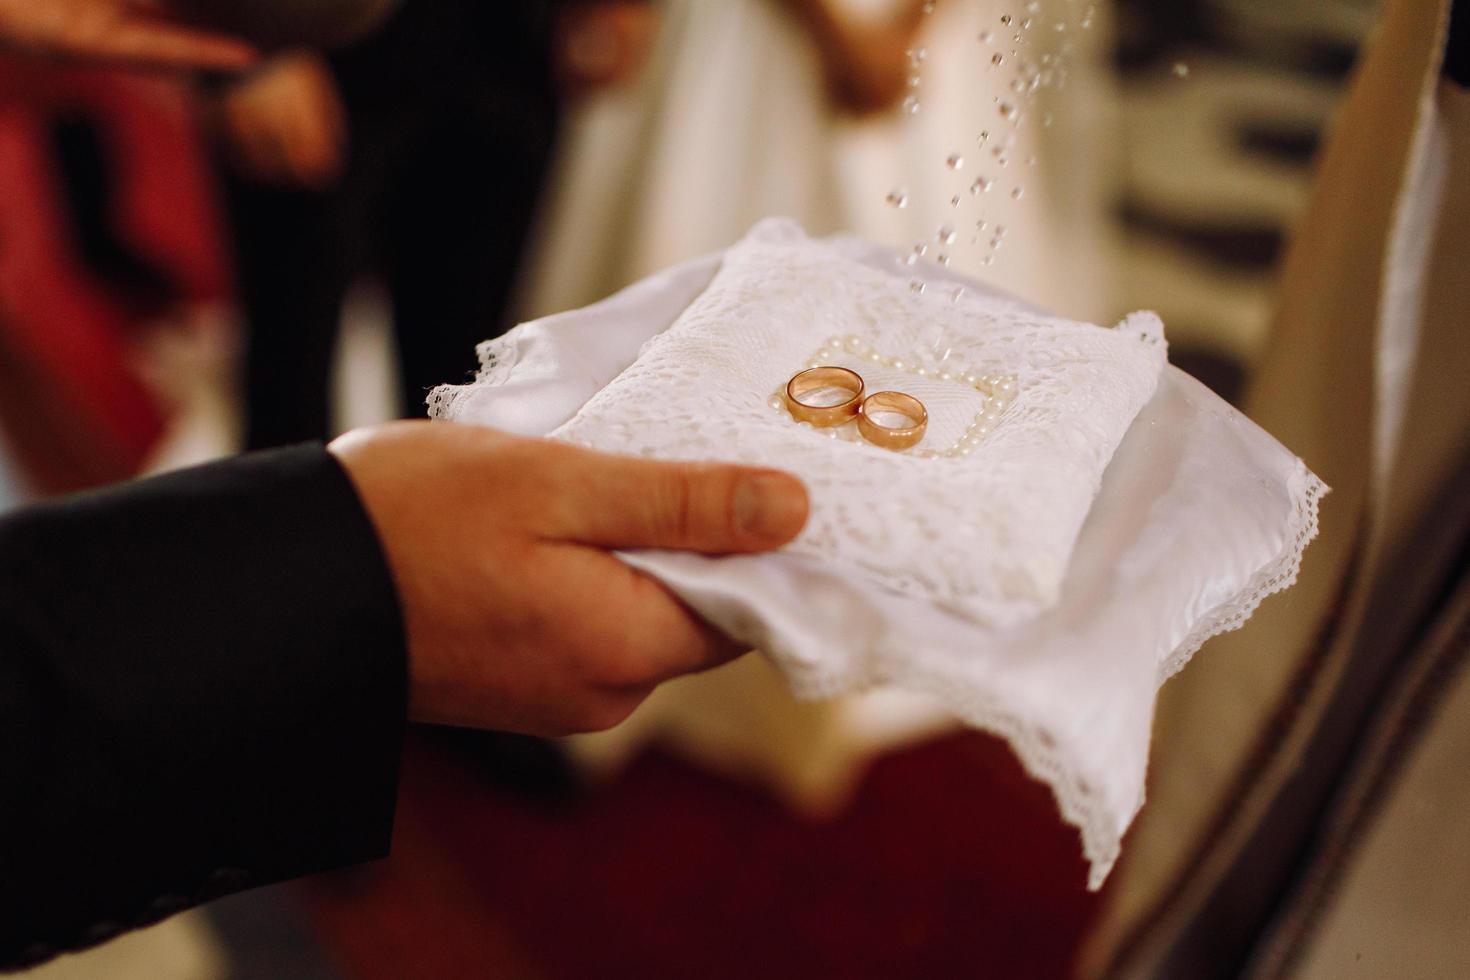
[[1200, 515]]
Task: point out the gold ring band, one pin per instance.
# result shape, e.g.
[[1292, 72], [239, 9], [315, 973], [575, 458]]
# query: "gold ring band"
[[893, 437], [815, 379]]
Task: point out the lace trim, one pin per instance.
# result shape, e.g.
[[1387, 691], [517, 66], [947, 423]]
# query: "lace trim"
[[497, 359], [1036, 749], [1307, 491]]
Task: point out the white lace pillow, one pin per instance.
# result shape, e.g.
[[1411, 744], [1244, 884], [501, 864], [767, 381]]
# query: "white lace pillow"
[[1025, 411]]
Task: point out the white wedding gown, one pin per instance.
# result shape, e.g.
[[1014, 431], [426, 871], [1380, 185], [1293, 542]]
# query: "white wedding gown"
[[729, 123]]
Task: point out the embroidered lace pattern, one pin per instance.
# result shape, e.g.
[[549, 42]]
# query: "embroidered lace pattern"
[[986, 532]]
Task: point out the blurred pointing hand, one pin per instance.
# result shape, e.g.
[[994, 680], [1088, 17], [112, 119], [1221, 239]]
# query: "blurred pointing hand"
[[601, 44], [518, 618], [130, 31], [286, 123]]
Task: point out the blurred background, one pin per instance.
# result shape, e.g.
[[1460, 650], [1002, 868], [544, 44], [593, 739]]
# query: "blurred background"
[[190, 267]]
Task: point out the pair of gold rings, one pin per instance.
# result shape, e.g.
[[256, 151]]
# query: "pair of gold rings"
[[884, 405]]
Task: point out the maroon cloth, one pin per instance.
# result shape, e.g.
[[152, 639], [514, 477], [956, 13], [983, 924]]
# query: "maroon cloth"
[[950, 863]]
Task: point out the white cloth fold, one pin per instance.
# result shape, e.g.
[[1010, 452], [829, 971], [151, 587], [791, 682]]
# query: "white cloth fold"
[[1199, 516]]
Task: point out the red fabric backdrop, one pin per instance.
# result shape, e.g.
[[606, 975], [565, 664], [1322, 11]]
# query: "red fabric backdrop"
[[951, 863], [71, 399]]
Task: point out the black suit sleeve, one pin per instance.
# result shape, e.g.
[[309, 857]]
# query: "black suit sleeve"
[[202, 689]]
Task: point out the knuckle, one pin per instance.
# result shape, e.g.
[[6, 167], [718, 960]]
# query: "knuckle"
[[617, 667], [675, 503], [728, 482], [710, 504]]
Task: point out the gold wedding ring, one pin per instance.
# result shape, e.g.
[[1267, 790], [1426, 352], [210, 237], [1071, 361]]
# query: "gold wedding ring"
[[886, 405], [802, 388]]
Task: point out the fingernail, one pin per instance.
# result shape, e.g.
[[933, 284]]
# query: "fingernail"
[[770, 506]]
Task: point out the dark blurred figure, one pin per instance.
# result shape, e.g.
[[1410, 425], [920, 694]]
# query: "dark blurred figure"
[[418, 155]]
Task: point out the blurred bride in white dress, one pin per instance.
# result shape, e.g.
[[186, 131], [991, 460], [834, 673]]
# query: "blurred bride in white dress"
[[752, 108]]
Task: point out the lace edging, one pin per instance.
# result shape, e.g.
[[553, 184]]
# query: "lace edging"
[[1144, 324], [1036, 750], [1277, 575], [497, 358]]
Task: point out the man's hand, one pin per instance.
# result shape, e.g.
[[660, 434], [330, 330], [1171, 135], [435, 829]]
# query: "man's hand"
[[286, 124], [134, 32], [518, 619]]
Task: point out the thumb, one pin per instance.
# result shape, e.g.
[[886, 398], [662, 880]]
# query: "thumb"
[[616, 502]]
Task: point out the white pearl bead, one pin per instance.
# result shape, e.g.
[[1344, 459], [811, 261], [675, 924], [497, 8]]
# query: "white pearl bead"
[[855, 343], [835, 343], [970, 379], [897, 363], [874, 356], [1008, 388], [813, 363], [830, 433], [776, 402], [944, 376], [922, 372], [990, 418]]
